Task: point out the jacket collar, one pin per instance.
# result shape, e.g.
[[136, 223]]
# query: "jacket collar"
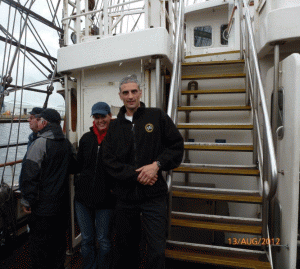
[[52, 131], [139, 112]]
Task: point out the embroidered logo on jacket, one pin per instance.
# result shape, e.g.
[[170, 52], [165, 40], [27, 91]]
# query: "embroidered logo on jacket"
[[149, 127]]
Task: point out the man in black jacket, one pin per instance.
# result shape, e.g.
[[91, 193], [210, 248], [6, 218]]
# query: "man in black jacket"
[[139, 145], [49, 161]]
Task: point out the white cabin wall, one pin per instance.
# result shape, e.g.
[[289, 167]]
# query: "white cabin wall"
[[102, 84], [288, 161]]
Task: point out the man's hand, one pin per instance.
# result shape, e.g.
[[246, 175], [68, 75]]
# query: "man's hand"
[[148, 174], [27, 210]]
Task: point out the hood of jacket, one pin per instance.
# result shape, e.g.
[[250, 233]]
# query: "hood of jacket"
[[52, 131]]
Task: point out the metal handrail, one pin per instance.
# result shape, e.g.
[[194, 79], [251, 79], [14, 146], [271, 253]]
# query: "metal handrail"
[[176, 72], [175, 90], [264, 151], [270, 189]]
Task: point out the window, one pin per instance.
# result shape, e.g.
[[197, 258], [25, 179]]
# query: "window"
[[202, 36], [224, 34]]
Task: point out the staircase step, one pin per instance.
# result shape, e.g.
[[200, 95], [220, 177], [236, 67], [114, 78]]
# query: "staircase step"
[[228, 126], [215, 91], [218, 146], [217, 169], [213, 63], [216, 194], [238, 258], [209, 222], [213, 76], [213, 108], [212, 54]]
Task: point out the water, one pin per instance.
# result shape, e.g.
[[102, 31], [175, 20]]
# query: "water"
[[13, 155]]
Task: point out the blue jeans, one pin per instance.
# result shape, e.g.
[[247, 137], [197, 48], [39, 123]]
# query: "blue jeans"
[[132, 217], [94, 225]]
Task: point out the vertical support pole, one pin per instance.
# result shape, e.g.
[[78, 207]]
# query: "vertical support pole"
[[265, 210], [247, 96], [146, 14], [105, 18], [169, 180], [66, 24], [86, 30], [67, 106], [78, 22], [241, 32], [158, 82], [255, 115], [275, 94]]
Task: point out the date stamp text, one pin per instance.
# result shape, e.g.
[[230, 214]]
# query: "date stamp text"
[[255, 241]]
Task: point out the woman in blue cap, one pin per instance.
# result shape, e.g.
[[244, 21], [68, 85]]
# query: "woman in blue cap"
[[94, 202]]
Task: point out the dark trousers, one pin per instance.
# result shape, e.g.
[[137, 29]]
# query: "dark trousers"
[[127, 234], [47, 243]]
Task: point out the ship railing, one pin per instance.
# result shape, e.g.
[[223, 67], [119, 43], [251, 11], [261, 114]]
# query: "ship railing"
[[108, 18], [264, 150], [175, 86]]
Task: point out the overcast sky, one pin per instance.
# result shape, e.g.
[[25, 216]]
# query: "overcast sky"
[[31, 74]]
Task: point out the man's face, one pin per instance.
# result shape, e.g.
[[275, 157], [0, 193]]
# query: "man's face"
[[101, 121], [130, 94], [42, 123], [33, 123]]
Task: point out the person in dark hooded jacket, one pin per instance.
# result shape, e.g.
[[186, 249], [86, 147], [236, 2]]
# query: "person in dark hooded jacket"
[[45, 184], [94, 202]]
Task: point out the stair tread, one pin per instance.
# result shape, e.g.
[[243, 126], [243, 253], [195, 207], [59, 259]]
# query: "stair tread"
[[218, 146], [214, 169], [226, 126], [214, 91], [213, 62], [217, 218], [213, 108], [210, 54], [213, 76], [210, 225], [219, 257], [216, 195]]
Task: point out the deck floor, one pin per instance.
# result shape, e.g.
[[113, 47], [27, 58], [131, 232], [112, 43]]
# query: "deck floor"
[[15, 256]]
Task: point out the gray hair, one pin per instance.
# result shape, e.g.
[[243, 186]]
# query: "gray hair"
[[129, 79]]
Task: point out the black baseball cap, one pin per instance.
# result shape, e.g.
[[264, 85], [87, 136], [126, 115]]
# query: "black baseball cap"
[[50, 115], [36, 110]]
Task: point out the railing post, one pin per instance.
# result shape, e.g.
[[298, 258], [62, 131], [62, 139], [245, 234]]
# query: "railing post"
[[265, 211], [255, 110], [241, 35], [146, 14], [247, 57], [65, 23], [105, 17], [78, 22], [86, 30], [158, 81]]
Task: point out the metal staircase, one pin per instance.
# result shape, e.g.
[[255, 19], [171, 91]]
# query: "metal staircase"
[[243, 253], [219, 202]]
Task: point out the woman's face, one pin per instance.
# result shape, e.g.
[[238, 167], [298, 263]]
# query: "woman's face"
[[101, 121]]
